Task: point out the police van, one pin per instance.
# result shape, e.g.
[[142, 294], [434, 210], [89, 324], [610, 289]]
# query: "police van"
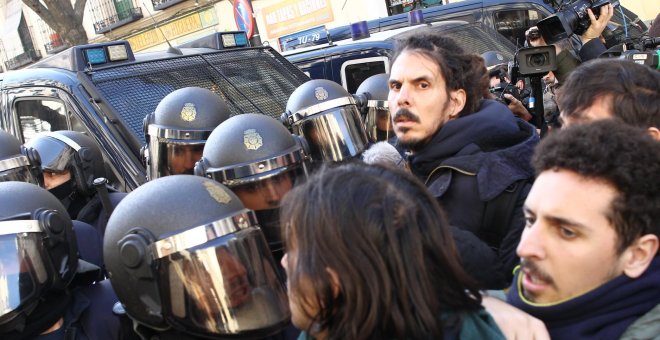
[[336, 55], [105, 90], [349, 62]]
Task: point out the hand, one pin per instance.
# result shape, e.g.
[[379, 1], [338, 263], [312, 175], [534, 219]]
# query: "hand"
[[514, 323], [597, 25], [517, 107]]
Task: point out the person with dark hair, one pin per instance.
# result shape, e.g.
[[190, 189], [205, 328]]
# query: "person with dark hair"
[[617, 89], [589, 253], [369, 255], [473, 154]]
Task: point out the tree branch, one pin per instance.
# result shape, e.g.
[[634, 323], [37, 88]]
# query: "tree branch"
[[41, 11], [79, 8]]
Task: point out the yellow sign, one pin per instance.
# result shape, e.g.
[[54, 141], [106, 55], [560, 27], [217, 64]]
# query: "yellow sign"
[[291, 16], [174, 29]]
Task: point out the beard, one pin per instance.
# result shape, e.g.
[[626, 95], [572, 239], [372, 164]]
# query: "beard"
[[416, 144]]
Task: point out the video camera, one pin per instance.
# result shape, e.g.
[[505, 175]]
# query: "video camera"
[[570, 18], [535, 62], [646, 52]]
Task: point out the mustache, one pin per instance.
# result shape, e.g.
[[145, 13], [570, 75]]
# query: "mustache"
[[406, 114], [533, 269]]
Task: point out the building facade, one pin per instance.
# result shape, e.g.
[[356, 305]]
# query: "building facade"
[[149, 24]]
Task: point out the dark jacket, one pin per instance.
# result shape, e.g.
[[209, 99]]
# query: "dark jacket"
[[469, 163]]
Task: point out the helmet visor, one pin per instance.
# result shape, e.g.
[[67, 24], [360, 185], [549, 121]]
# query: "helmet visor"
[[17, 169], [334, 135], [378, 124], [22, 272], [175, 157], [226, 286], [55, 155]]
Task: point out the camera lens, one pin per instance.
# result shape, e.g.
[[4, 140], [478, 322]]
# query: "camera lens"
[[537, 60]]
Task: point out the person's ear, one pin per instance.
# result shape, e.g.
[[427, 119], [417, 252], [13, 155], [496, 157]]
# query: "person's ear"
[[457, 99], [654, 132], [639, 255], [334, 282]]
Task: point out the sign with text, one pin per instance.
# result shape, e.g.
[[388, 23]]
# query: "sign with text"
[[174, 29], [291, 16]]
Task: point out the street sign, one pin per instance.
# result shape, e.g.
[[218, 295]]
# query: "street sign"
[[244, 17]]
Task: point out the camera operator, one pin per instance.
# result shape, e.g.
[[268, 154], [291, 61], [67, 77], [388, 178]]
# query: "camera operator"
[[566, 61], [500, 87]]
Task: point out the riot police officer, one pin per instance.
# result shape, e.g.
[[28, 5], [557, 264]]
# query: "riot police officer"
[[377, 123], [18, 163], [71, 162], [187, 259], [45, 288], [326, 115], [177, 130], [259, 160]]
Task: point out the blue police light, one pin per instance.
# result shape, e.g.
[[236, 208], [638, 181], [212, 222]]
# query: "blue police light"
[[415, 17], [359, 30], [96, 56], [235, 39], [241, 39]]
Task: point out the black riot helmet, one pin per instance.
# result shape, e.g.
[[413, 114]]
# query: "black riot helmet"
[[326, 116], [18, 163], [38, 256], [177, 130], [183, 252], [73, 151], [377, 122], [258, 159], [495, 62]]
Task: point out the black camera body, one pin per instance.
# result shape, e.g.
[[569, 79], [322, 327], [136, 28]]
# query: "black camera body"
[[570, 19], [503, 88]]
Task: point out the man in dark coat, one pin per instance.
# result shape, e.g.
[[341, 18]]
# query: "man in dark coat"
[[472, 154]]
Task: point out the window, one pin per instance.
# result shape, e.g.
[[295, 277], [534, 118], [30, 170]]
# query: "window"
[[512, 24], [40, 115], [354, 72]]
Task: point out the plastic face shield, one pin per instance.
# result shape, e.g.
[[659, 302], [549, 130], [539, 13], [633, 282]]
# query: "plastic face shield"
[[22, 271], [220, 280], [56, 156], [378, 123], [17, 169], [336, 134], [174, 152]]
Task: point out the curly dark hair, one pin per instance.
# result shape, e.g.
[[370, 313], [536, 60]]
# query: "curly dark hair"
[[459, 69], [390, 244], [621, 155], [631, 89]]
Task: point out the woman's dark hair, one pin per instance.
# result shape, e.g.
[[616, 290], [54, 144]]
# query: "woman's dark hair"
[[459, 69], [390, 245]]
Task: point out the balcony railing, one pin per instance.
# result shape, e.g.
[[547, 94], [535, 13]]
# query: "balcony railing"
[[162, 4], [121, 18], [56, 44], [23, 59]]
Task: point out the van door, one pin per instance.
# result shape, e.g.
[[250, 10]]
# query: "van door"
[[43, 109], [351, 68]]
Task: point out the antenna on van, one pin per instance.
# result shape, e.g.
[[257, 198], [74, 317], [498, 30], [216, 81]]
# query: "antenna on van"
[[171, 49]]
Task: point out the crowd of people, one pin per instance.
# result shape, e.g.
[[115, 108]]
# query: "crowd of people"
[[419, 208]]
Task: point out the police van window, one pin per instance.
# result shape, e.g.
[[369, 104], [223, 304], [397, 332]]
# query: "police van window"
[[39, 115], [513, 23], [354, 72]]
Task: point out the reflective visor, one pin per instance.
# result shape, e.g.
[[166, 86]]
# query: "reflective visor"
[[181, 157], [226, 286], [22, 272], [378, 124], [16, 169], [334, 135], [55, 155]]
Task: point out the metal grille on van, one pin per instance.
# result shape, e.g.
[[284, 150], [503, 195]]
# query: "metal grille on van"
[[255, 80]]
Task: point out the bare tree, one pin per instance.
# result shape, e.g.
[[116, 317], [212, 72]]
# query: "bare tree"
[[63, 17]]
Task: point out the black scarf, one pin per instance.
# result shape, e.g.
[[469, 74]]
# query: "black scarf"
[[603, 313]]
